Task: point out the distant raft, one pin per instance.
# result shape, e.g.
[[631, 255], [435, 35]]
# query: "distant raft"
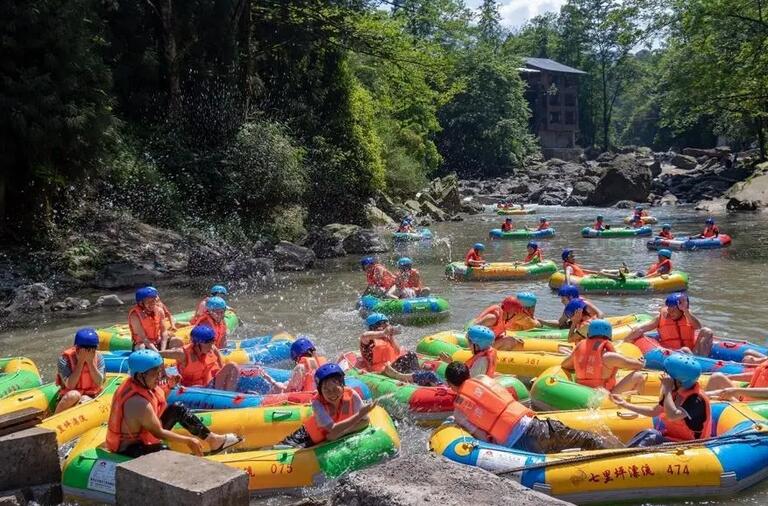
[[521, 233], [422, 235], [690, 243], [415, 311], [675, 281], [514, 211], [500, 271], [647, 220], [610, 233]]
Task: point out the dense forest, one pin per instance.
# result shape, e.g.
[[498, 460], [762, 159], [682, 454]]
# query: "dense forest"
[[259, 118]]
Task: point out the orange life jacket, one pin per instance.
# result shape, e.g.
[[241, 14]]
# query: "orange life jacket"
[[489, 406], [472, 256], [588, 362], [116, 438], [151, 323], [678, 430], [544, 226], [489, 355], [166, 313], [674, 334], [759, 376], [85, 384], [198, 370], [344, 411], [310, 366], [409, 280], [380, 276], [536, 254], [220, 328], [666, 263], [499, 327], [575, 269], [377, 353], [506, 227], [666, 234], [710, 231]]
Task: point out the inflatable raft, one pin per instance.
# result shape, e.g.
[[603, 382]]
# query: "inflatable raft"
[[118, 337], [17, 373], [89, 471], [734, 460], [514, 211], [422, 235], [416, 311], [689, 243], [500, 271], [655, 354], [521, 233], [616, 232], [647, 220], [675, 281], [622, 326]]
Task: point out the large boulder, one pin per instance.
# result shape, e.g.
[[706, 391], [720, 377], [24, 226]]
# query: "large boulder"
[[365, 241], [30, 299], [259, 269], [291, 257], [750, 195], [625, 179], [125, 275], [377, 217], [205, 260], [684, 162], [328, 242], [110, 300], [433, 211]]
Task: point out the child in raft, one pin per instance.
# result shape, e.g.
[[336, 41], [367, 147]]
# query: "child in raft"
[[337, 410], [406, 225], [483, 359], [81, 370], [683, 411], [661, 268], [490, 413], [594, 362], [507, 226], [544, 223], [474, 257], [571, 268], [599, 225], [381, 354], [666, 232], [408, 282], [378, 278], [307, 361], [533, 255], [710, 230]]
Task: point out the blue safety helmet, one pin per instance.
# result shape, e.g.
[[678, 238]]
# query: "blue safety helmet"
[[146, 292], [682, 368], [599, 216], [666, 226], [202, 334], [301, 347], [215, 304], [527, 299], [144, 360], [507, 219], [374, 319], [710, 221], [405, 262], [87, 337], [365, 261], [638, 208], [573, 306], [533, 244], [600, 328], [570, 291], [566, 253], [325, 371], [480, 336], [479, 246], [665, 253], [673, 299], [218, 289]]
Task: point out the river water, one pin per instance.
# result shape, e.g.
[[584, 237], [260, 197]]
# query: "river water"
[[728, 290]]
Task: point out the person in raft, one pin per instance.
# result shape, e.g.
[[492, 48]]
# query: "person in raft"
[[474, 257], [145, 321], [678, 328], [381, 354], [534, 253], [710, 230], [595, 362], [337, 410], [725, 386], [302, 379], [406, 225], [215, 307], [483, 359], [571, 268], [490, 413], [661, 268], [637, 221], [140, 419], [499, 318], [683, 411], [599, 225], [579, 314], [640, 212], [408, 282], [378, 278], [507, 226], [200, 364], [544, 223], [81, 370], [216, 291], [666, 232], [567, 293]]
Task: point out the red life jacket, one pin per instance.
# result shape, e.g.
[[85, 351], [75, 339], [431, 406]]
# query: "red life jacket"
[[380, 276], [598, 225], [657, 267], [575, 269], [344, 411], [487, 405], [506, 227], [678, 430], [499, 327], [409, 280], [666, 234], [151, 323], [85, 384], [711, 231], [220, 328], [472, 255], [489, 355], [544, 226], [377, 353], [198, 370], [674, 334], [310, 366], [588, 362], [116, 438], [530, 256]]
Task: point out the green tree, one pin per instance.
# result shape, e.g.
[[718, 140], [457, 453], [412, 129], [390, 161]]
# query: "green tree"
[[489, 24]]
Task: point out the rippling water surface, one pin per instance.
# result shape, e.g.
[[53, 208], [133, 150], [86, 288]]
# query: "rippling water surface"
[[728, 290]]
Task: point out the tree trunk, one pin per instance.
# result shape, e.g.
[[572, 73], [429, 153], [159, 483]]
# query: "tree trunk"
[[761, 137], [163, 9], [604, 76]]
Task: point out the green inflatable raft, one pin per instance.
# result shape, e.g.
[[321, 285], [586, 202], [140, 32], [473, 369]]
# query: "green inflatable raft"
[[17, 373], [416, 311], [500, 271], [675, 281]]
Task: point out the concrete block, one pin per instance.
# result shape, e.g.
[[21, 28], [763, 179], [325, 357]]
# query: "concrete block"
[[30, 458], [421, 479], [175, 479], [49, 493]]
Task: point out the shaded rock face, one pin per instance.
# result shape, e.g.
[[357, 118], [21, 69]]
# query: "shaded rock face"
[[30, 298], [684, 162], [365, 241], [625, 179], [290, 257], [752, 194]]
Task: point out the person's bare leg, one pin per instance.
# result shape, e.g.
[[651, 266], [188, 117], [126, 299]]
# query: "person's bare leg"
[[703, 346], [718, 381], [227, 378], [508, 343], [71, 398], [633, 382]]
